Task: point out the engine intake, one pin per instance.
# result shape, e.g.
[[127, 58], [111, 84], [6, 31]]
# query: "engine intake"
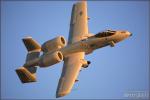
[[50, 58], [54, 44]]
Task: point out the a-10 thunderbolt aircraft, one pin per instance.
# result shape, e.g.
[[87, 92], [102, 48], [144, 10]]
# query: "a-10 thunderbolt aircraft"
[[80, 43]]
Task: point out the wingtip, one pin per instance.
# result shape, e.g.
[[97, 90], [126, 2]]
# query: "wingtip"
[[57, 96], [81, 1], [27, 37], [61, 94]]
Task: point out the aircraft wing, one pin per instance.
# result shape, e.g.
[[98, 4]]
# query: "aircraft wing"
[[79, 22], [73, 62], [71, 69]]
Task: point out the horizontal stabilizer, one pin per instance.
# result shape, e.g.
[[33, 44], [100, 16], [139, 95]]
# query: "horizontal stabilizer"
[[25, 75], [31, 44]]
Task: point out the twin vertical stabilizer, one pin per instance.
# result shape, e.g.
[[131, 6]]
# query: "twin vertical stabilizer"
[[27, 72]]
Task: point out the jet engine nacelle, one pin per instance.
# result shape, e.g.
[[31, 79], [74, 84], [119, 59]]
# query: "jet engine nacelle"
[[50, 58], [53, 44]]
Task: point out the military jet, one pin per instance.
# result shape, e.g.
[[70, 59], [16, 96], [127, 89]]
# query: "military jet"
[[80, 43]]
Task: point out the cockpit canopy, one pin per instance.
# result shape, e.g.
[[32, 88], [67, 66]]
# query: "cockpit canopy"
[[105, 33]]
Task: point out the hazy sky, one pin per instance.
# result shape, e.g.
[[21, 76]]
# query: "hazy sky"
[[113, 71]]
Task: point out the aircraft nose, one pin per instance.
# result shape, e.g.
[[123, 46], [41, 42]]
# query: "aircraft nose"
[[129, 34]]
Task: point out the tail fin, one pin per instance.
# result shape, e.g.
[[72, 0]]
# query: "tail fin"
[[27, 73], [31, 44]]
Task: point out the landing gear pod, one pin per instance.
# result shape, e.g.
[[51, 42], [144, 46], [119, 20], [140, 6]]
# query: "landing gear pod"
[[112, 43]]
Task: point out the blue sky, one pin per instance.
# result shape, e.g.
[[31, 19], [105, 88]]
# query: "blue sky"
[[113, 71]]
